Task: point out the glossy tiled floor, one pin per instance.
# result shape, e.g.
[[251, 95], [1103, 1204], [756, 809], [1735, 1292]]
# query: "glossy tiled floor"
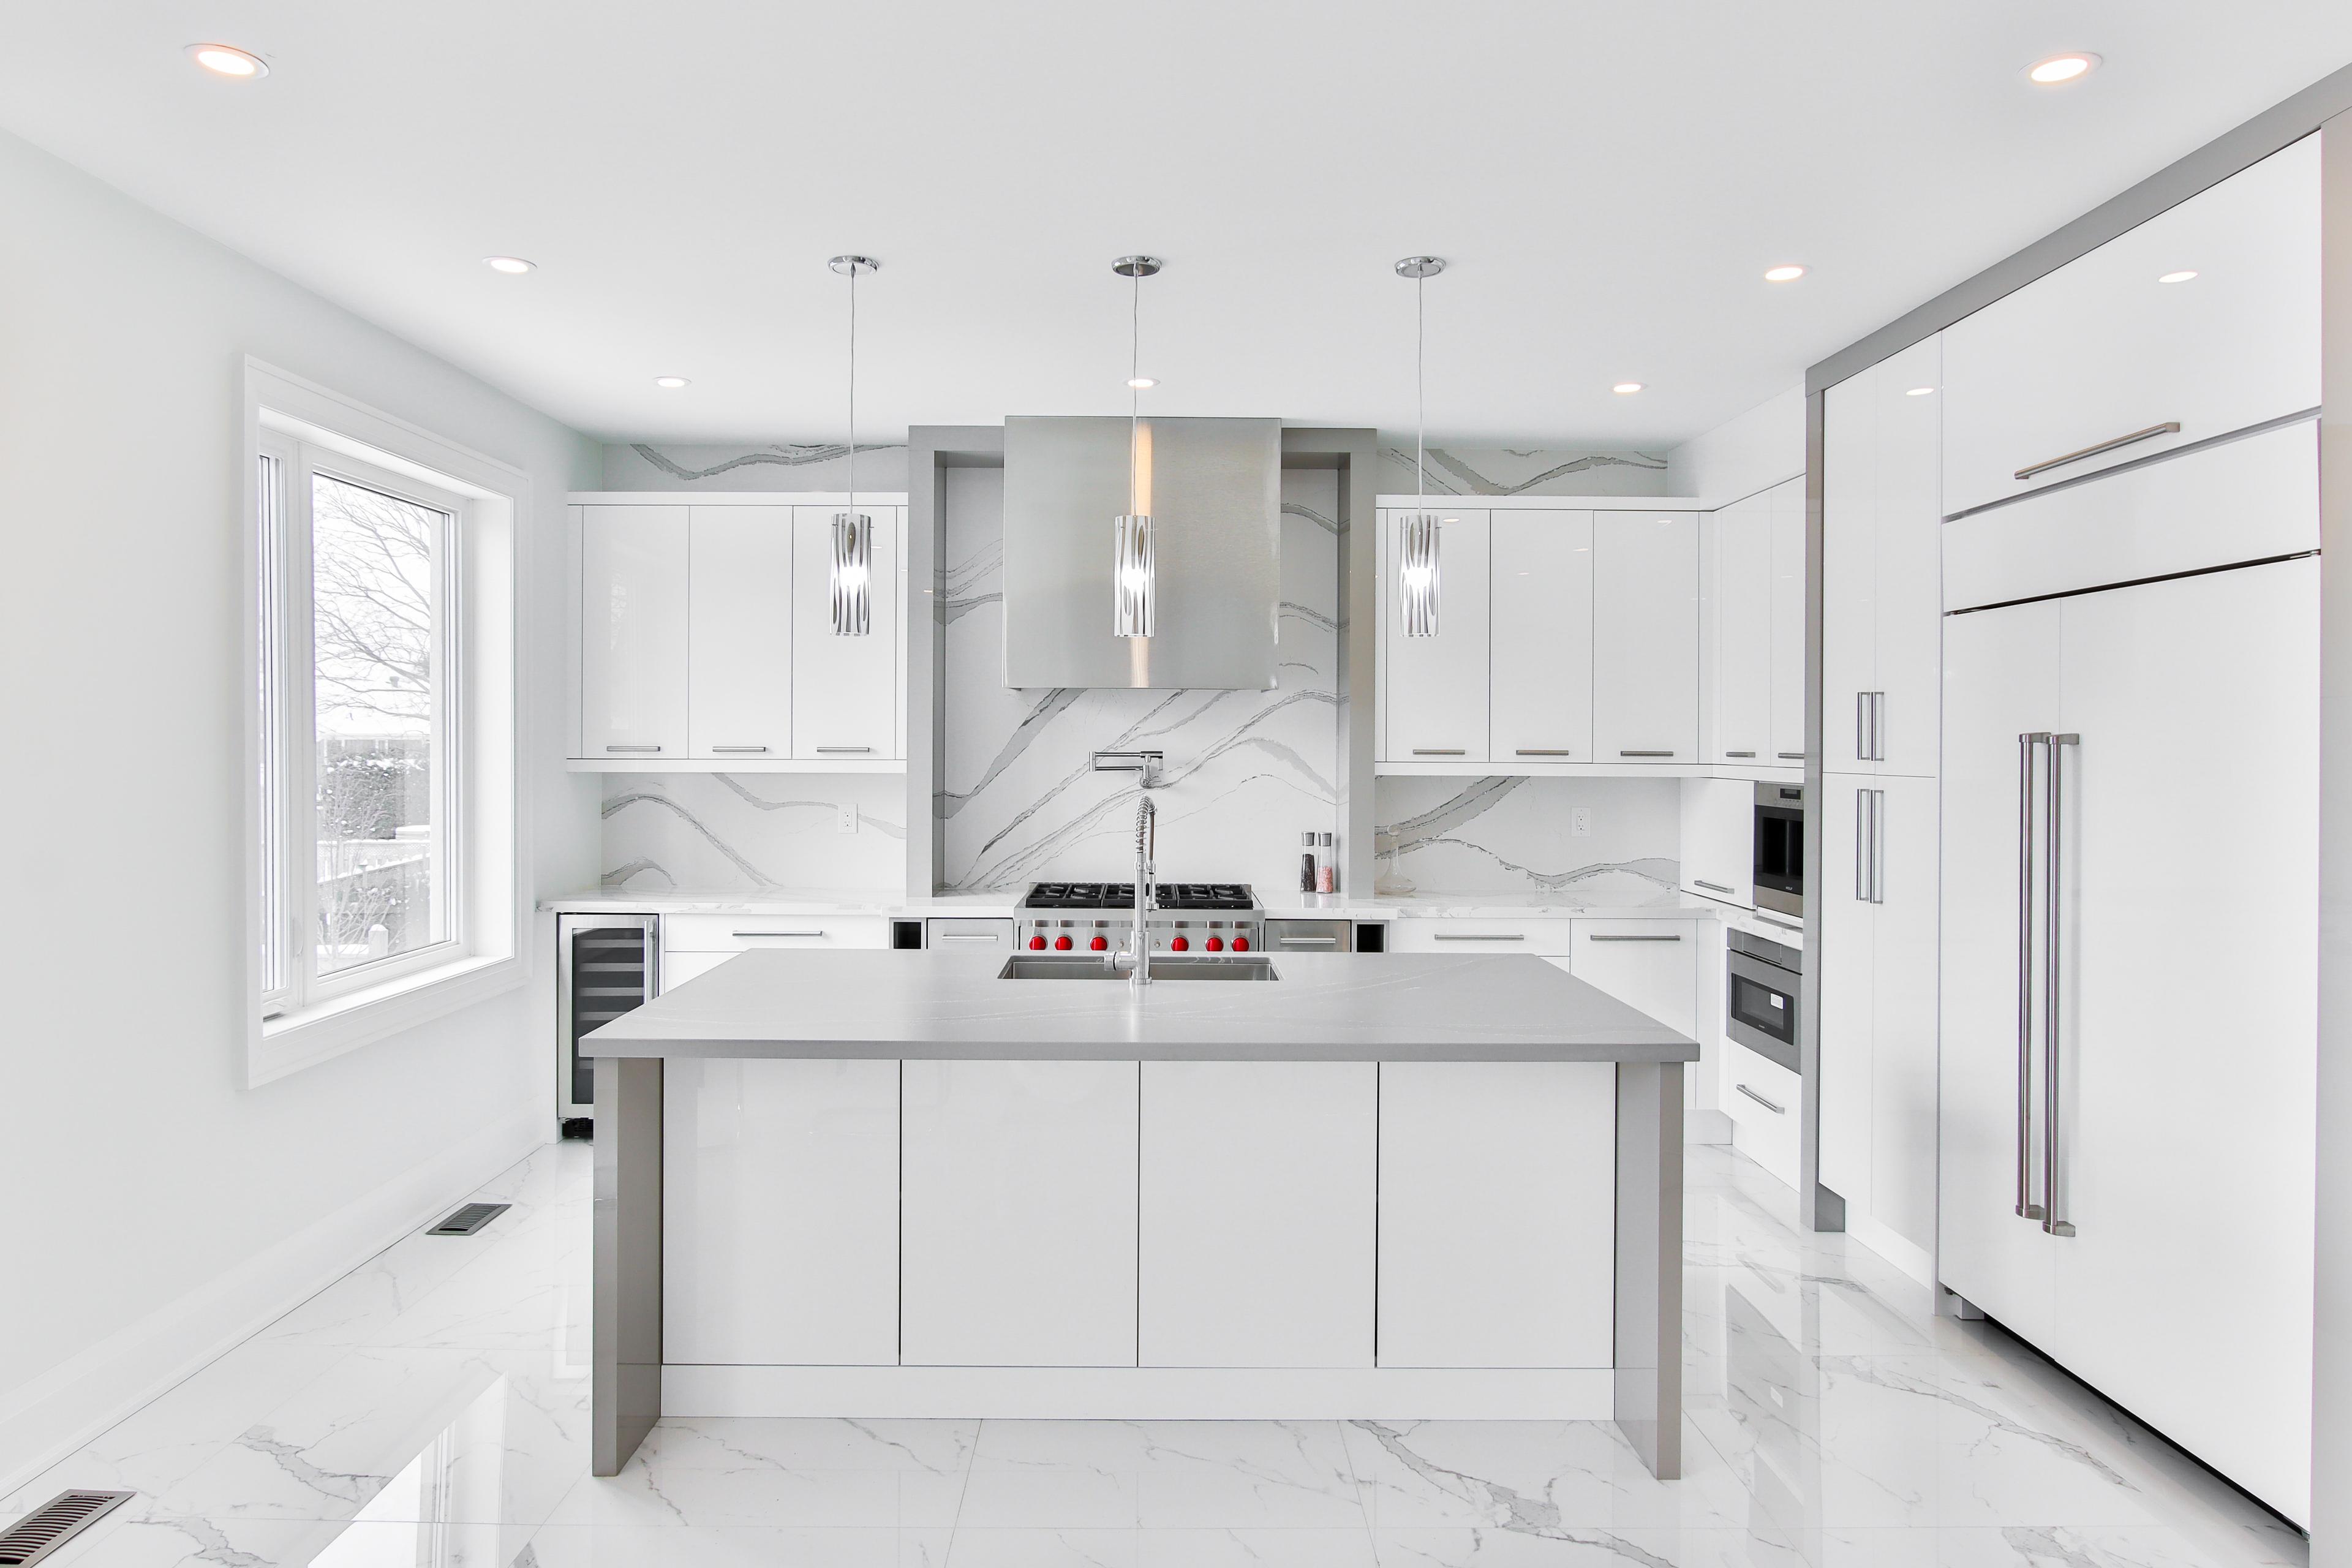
[[430, 1410]]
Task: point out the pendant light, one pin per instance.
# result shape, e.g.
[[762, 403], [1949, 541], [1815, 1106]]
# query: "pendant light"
[[1132, 570], [1418, 536], [853, 531]]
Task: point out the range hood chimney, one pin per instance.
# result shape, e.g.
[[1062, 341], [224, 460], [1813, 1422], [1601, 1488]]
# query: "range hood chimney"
[[1213, 490]]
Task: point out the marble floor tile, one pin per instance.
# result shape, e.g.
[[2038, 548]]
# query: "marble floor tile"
[[739, 1473], [1162, 1474]]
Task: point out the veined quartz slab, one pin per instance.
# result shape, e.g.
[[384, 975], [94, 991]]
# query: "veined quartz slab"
[[1400, 1007]]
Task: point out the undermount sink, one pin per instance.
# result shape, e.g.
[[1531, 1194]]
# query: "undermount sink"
[[1240, 967]]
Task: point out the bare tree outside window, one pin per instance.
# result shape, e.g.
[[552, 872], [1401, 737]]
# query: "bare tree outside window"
[[376, 634]]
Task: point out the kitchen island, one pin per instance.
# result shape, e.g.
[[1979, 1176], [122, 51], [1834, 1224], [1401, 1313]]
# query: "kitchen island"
[[906, 1184]]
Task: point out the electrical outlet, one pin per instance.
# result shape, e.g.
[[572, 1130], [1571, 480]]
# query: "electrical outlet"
[[844, 818], [1580, 822]]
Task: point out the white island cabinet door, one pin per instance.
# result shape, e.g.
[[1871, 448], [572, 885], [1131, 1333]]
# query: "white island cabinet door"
[[1541, 661], [1645, 637], [1437, 685], [633, 632], [743, 633], [1256, 1244], [845, 689], [1018, 1214], [780, 1199], [1498, 1217]]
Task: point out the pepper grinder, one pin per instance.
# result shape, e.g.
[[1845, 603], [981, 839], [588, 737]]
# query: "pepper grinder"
[[1307, 862]]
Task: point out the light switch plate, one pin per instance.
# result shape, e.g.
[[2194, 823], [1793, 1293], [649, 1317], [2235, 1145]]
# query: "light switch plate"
[[1580, 822], [844, 818]]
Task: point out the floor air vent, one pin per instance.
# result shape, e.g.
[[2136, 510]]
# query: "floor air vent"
[[54, 1523], [465, 1221]]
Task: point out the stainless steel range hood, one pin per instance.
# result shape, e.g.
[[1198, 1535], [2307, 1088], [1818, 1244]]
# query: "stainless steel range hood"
[[1213, 489]]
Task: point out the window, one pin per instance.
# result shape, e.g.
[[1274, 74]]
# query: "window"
[[388, 887], [358, 684]]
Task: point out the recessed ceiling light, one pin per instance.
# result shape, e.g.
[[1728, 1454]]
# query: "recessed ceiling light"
[[671, 383], [2063, 68], [1919, 391], [1626, 388], [1789, 273], [1141, 383], [228, 60], [2176, 278], [512, 265]]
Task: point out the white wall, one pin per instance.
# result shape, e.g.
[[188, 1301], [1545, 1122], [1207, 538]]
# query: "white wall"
[[123, 687], [1742, 455]]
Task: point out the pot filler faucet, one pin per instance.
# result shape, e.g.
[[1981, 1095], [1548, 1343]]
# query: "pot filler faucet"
[[1145, 765]]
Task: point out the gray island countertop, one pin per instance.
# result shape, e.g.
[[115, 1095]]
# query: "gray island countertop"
[[871, 1003]]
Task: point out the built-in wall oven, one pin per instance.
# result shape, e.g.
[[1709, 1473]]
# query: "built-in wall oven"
[[1780, 847], [1762, 981]]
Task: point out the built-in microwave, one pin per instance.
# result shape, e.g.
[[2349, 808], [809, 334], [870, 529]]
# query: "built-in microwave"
[[1761, 983], [1780, 847]]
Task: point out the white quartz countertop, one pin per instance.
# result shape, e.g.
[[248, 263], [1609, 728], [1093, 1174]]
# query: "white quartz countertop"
[[869, 1004], [1278, 906]]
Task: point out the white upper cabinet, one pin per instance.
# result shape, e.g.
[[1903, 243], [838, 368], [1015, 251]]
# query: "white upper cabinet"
[[1882, 603], [2101, 354], [845, 689], [1541, 654], [1645, 593], [1743, 644], [741, 633], [634, 641], [1437, 687], [1787, 502]]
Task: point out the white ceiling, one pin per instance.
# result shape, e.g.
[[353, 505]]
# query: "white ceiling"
[[1609, 179]]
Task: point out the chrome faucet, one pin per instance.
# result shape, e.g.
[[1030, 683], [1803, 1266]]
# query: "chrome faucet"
[[1136, 959]]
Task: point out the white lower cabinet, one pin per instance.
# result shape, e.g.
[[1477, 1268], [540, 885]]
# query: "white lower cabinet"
[[1648, 965], [1421, 933], [1498, 1191], [1018, 1214], [1256, 1230], [1762, 1099], [780, 1195]]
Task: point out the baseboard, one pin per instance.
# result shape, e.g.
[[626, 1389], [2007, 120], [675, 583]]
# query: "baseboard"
[[43, 1421], [1897, 1249], [1706, 1127], [1143, 1394]]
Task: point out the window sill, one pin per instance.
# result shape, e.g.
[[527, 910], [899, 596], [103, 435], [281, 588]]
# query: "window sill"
[[292, 1041]]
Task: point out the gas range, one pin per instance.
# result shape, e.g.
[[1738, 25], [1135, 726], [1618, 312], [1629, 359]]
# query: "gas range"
[[1096, 917]]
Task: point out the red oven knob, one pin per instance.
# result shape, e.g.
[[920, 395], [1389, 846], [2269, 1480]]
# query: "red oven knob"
[[1061, 944], [1098, 944], [1177, 945], [1241, 945], [1216, 945], [1036, 944]]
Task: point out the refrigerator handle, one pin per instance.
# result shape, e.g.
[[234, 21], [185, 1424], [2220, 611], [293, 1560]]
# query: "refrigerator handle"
[[2054, 830], [1862, 846], [2026, 743], [1878, 846]]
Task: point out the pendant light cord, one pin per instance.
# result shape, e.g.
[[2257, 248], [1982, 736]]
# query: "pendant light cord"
[[853, 393], [1134, 393], [1420, 393]]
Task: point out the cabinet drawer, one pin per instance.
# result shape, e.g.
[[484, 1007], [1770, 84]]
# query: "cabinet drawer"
[[1762, 1098], [969, 934], [2100, 351], [741, 934], [1651, 965], [1427, 934]]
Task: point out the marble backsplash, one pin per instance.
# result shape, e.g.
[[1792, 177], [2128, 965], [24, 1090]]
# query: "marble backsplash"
[[1519, 471], [751, 832], [1518, 836], [1246, 772]]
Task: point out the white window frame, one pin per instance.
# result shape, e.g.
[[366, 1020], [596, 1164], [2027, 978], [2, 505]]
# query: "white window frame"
[[298, 1019]]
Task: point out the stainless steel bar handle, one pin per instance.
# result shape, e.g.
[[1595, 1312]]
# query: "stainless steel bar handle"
[[844, 748], [1646, 753], [1600, 938], [1438, 751], [2026, 743], [1878, 726], [1711, 887], [1546, 752], [1775, 1110], [1862, 846], [632, 748], [1739, 754], [2170, 427], [1479, 936], [738, 748], [2053, 839], [1791, 756], [956, 936]]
